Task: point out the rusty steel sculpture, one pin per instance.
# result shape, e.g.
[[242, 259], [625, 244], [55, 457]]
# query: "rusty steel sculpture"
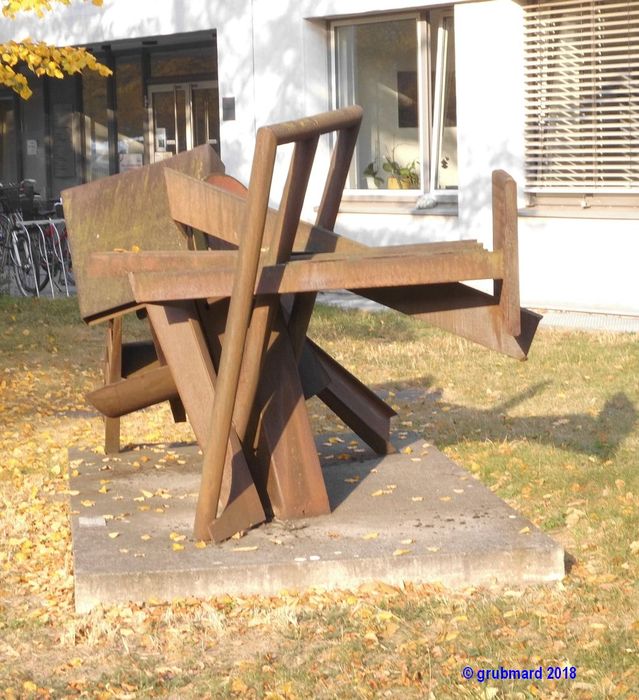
[[229, 286]]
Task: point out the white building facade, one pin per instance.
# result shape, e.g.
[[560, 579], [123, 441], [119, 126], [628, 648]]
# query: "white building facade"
[[547, 90]]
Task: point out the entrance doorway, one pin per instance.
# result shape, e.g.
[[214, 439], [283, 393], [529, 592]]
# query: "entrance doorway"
[[183, 116]]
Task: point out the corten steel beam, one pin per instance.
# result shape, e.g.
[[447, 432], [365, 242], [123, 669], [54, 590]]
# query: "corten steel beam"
[[304, 133], [282, 458], [504, 197], [326, 217], [119, 398], [275, 250], [178, 328], [358, 406], [123, 211], [479, 322], [286, 464], [462, 310], [112, 373], [119, 264], [326, 274], [175, 402], [235, 333]]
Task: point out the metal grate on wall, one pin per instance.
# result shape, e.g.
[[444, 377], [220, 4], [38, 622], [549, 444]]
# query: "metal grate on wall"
[[582, 96]]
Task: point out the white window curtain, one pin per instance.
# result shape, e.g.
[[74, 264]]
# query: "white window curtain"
[[582, 96]]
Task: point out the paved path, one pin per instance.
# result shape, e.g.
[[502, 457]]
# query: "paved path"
[[552, 319]]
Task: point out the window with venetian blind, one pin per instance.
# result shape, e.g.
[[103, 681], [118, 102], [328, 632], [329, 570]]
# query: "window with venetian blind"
[[582, 96]]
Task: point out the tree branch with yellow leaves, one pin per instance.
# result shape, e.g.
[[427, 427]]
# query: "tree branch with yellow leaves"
[[16, 57]]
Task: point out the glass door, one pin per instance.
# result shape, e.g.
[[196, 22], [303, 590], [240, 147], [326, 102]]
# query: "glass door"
[[205, 118], [8, 140], [182, 116]]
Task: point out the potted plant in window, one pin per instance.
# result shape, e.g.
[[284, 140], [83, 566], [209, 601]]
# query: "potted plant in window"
[[373, 180], [401, 177]]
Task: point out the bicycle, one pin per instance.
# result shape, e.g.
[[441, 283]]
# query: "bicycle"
[[24, 255], [57, 253], [35, 244]]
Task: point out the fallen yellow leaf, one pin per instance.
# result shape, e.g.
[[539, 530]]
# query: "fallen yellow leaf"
[[370, 536], [401, 552], [238, 686], [384, 615]]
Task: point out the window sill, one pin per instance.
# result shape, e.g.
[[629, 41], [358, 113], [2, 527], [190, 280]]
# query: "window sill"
[[402, 205], [577, 212]]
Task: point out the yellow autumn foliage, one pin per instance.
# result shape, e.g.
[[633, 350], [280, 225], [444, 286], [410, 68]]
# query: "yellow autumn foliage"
[[38, 57]]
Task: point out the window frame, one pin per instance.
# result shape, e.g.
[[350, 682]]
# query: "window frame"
[[429, 99]]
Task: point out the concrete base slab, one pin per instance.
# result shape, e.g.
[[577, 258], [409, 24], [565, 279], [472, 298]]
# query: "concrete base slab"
[[413, 516]]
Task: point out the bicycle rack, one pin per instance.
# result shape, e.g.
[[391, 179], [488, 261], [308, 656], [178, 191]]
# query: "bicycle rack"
[[48, 233], [50, 229]]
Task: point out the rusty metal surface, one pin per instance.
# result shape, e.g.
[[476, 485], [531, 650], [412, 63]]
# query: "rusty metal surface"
[[112, 373], [462, 310], [506, 289], [285, 464], [248, 330], [125, 396], [123, 211], [359, 407], [329, 273], [185, 348], [214, 262]]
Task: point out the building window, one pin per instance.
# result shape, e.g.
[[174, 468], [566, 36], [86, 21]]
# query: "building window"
[[192, 61], [96, 126], [582, 106], [401, 70], [131, 115], [8, 140]]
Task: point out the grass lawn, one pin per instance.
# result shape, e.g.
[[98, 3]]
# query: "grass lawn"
[[556, 437]]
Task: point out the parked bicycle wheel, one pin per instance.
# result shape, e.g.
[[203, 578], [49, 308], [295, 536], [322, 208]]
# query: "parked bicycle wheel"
[[62, 268], [5, 237], [30, 275]]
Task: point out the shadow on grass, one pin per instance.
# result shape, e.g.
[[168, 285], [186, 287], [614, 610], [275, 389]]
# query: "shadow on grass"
[[449, 423]]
